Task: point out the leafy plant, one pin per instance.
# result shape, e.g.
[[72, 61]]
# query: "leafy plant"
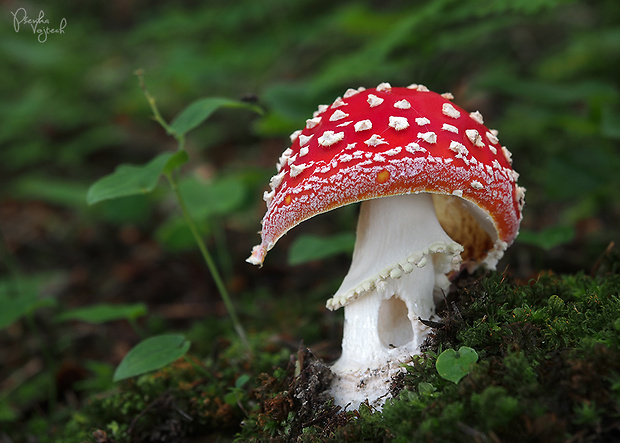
[[131, 180], [236, 394], [308, 247], [454, 365], [20, 297]]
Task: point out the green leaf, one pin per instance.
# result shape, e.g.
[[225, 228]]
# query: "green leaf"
[[200, 110], [176, 236], [12, 310], [547, 238], [129, 180], [307, 248], [178, 159], [453, 365], [100, 379], [102, 313], [42, 187], [19, 298], [205, 199], [426, 389], [242, 380], [135, 209], [151, 354], [236, 394]]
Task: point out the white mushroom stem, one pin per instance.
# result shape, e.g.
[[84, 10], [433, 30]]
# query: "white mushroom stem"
[[399, 267]]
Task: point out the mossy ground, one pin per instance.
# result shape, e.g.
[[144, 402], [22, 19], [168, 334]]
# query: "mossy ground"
[[549, 370]]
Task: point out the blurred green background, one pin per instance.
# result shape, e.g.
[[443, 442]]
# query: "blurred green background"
[[542, 72]]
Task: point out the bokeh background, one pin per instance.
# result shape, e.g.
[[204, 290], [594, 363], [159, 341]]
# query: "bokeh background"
[[543, 72]]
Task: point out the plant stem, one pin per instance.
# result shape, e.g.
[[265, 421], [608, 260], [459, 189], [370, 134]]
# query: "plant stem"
[[209, 261], [180, 138], [156, 114]]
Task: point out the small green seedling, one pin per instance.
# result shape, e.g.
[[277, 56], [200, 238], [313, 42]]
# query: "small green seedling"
[[128, 180], [454, 365], [235, 395]]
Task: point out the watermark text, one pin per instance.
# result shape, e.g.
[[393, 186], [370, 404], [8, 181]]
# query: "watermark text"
[[40, 25]]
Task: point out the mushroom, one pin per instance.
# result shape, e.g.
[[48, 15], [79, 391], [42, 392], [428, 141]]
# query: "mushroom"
[[438, 195]]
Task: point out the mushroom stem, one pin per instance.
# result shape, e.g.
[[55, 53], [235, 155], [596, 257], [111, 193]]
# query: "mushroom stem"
[[399, 267]]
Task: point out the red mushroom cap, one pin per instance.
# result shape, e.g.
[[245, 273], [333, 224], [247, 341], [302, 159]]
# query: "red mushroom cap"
[[389, 141]]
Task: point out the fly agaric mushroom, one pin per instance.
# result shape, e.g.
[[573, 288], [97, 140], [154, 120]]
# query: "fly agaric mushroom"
[[438, 195]]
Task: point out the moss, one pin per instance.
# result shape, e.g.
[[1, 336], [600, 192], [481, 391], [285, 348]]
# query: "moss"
[[188, 398], [549, 370]]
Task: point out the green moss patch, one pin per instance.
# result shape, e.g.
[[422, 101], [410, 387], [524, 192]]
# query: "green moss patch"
[[548, 370]]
